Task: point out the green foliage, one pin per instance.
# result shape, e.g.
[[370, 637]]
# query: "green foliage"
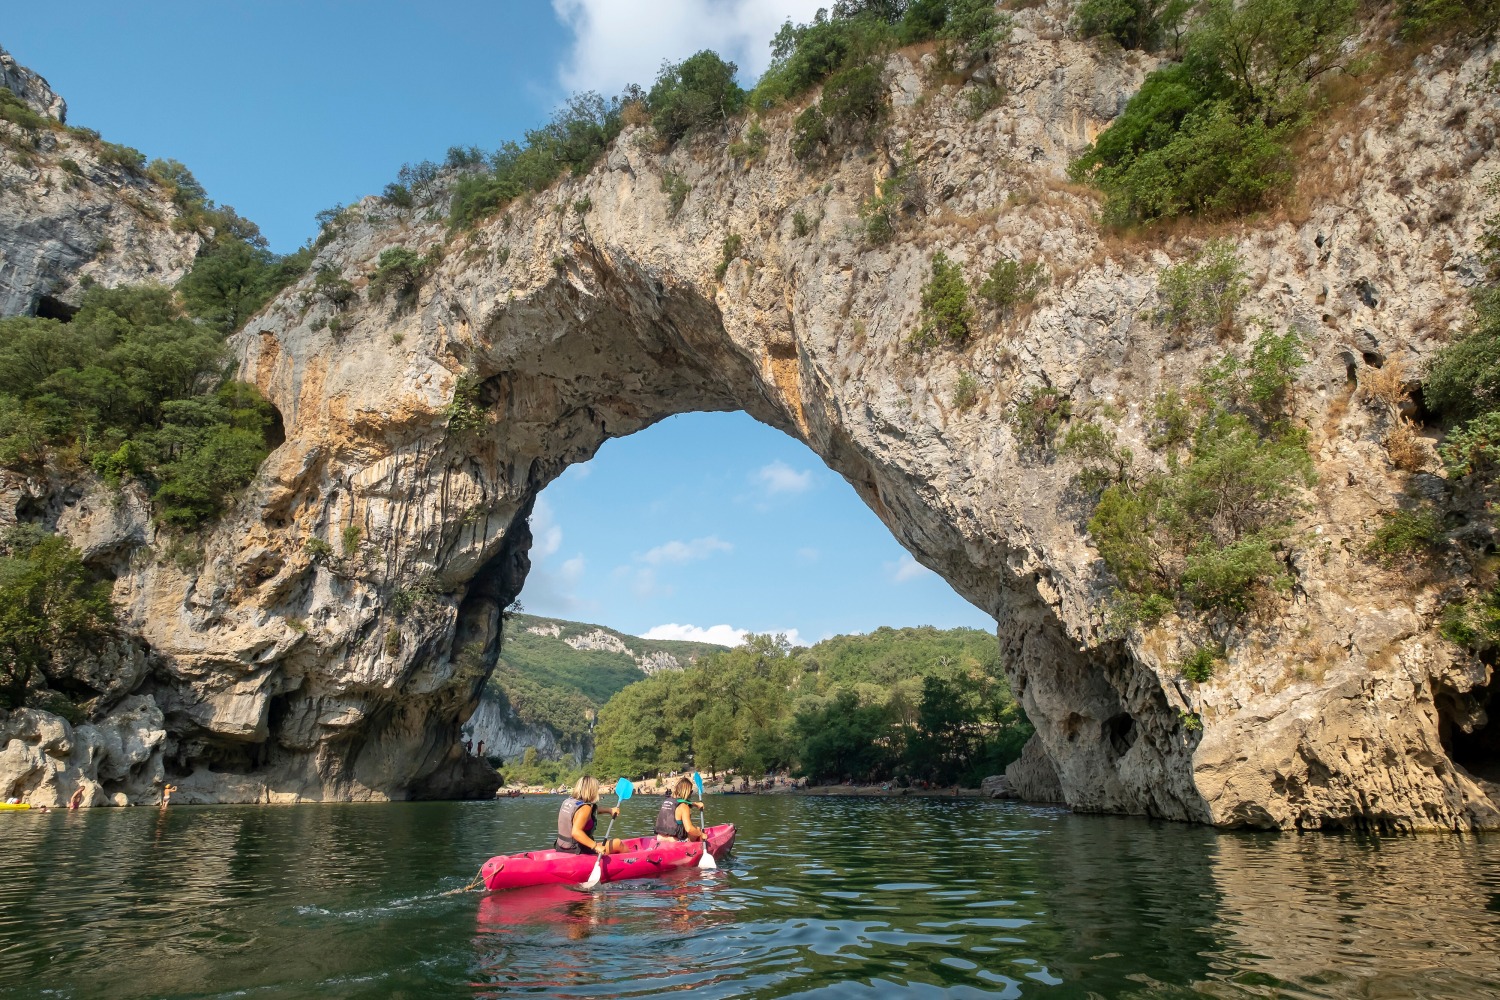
[[946, 315], [1207, 136], [982, 98], [573, 141], [1198, 666], [1037, 415], [802, 226], [676, 190], [401, 270], [1265, 379], [133, 388], [1202, 293], [318, 549], [48, 601], [753, 146], [731, 250], [1406, 535], [693, 96], [850, 109], [1102, 460], [351, 537], [1473, 448], [965, 392], [332, 287], [126, 158], [974, 23], [1172, 420], [233, 277], [1425, 18], [898, 195], [804, 55], [466, 410], [907, 702], [1134, 24], [1012, 282], [1473, 622], [18, 112]]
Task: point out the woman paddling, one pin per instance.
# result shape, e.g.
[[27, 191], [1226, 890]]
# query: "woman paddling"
[[575, 820], [674, 820]]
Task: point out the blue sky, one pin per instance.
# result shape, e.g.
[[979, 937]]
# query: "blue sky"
[[284, 108]]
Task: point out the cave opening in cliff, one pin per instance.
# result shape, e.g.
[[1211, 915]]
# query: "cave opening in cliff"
[[49, 308], [1466, 726]]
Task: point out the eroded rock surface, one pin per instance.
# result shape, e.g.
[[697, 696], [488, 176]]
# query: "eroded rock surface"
[[593, 310]]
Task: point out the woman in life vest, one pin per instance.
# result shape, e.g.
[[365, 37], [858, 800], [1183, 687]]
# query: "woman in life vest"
[[674, 820], [575, 820]]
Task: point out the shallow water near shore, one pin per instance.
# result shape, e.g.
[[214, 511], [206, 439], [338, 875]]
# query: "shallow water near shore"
[[824, 897]]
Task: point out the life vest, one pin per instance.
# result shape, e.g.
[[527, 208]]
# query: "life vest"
[[565, 841], [667, 823]]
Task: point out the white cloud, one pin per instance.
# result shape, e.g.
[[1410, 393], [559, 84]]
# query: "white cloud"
[[572, 569], [722, 635], [616, 42], [546, 533], [808, 554], [778, 477], [681, 552], [906, 568]]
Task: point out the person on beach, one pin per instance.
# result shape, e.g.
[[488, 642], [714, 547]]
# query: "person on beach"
[[674, 820], [575, 820]]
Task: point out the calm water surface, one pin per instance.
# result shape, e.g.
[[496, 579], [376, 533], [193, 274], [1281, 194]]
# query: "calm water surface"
[[825, 897]]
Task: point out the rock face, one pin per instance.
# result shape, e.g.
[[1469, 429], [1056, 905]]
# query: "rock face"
[[600, 640], [71, 213], [31, 88], [508, 738], [594, 309]]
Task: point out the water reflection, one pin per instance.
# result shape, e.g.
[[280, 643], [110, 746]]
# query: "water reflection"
[[823, 897]]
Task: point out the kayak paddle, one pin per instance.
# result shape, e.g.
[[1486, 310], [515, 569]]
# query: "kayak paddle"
[[706, 860], [623, 790]]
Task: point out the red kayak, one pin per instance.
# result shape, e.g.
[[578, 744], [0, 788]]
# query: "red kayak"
[[643, 857]]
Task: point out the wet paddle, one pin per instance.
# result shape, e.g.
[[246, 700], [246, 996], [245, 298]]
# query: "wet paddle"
[[623, 790], [706, 860]]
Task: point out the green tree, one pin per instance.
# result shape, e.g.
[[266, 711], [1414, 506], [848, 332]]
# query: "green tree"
[[48, 600], [694, 95]]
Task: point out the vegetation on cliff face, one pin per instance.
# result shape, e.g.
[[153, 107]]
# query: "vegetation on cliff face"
[[1463, 386], [133, 389], [917, 703], [49, 601]]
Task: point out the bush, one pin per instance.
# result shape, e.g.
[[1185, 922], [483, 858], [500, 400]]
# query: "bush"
[[974, 23], [676, 189], [851, 106], [898, 195], [1012, 282], [1473, 622], [125, 158], [350, 538], [1405, 535], [1037, 416], [233, 277], [802, 226], [1422, 18], [401, 270], [946, 315], [694, 95], [1135, 24], [965, 392], [753, 146], [1198, 666], [48, 600], [18, 112], [1202, 293], [730, 251]]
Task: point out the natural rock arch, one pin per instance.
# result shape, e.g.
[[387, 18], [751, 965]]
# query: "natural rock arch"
[[293, 668]]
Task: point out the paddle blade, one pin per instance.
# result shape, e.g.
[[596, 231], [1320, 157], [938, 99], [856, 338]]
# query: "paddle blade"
[[624, 789], [698, 783], [706, 861], [596, 874]]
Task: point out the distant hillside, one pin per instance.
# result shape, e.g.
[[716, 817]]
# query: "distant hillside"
[[553, 674]]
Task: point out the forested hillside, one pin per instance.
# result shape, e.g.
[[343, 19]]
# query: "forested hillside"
[[920, 703]]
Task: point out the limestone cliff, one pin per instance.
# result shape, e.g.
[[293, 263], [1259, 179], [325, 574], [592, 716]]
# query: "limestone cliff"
[[76, 210], [594, 309]]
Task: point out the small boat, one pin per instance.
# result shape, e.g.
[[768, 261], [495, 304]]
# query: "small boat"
[[14, 805], [643, 857]]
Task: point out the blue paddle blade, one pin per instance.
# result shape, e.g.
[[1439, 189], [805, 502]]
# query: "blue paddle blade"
[[624, 789], [698, 781]]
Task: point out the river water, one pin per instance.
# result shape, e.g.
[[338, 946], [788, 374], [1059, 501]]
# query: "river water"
[[824, 897]]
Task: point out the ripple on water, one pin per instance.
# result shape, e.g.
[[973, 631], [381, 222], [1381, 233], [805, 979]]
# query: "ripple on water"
[[932, 898]]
